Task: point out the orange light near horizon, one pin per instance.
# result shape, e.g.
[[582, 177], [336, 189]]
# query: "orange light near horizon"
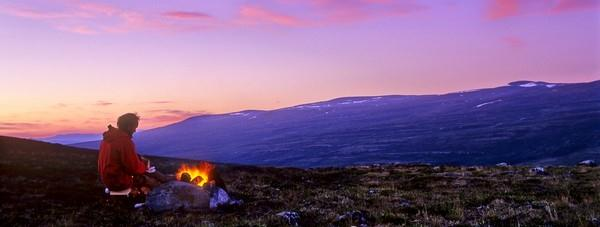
[[203, 170]]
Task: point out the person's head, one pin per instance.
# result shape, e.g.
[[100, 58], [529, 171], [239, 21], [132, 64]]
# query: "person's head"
[[128, 122]]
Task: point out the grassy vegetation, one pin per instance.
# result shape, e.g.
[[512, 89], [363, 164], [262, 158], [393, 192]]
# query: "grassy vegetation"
[[42, 184]]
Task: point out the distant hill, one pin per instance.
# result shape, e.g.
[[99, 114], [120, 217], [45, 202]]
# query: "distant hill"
[[523, 122], [71, 138]]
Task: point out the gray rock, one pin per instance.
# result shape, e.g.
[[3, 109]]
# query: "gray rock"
[[219, 197], [178, 195]]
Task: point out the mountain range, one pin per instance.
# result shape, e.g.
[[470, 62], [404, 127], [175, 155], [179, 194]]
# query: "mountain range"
[[524, 122], [71, 138]]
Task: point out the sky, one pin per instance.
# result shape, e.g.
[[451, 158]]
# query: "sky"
[[74, 66]]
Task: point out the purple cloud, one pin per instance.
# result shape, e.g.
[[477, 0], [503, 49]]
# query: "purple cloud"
[[186, 15], [501, 9], [513, 42]]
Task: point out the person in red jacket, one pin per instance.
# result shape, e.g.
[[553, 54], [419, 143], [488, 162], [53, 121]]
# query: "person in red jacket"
[[119, 165]]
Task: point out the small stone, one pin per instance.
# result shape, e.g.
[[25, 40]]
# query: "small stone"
[[372, 191]]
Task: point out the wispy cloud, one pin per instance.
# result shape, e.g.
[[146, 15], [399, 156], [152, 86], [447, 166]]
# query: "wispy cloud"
[[89, 18], [40, 14], [59, 105], [572, 5], [250, 14], [18, 125], [79, 29], [329, 12], [161, 102], [358, 10], [513, 42], [501, 9], [159, 116], [103, 103], [186, 15], [97, 8]]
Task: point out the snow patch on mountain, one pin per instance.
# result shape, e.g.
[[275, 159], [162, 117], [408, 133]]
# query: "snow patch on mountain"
[[239, 114], [487, 103], [528, 84]]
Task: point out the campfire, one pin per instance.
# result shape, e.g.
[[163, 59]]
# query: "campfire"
[[198, 175], [198, 186]]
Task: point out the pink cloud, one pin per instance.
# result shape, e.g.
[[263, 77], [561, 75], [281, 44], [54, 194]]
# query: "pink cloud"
[[18, 125], [513, 42], [79, 29], [161, 116], [570, 5], [87, 18], [103, 103], [257, 15], [334, 11], [162, 102], [330, 12], [39, 14], [97, 8], [502, 8], [186, 15]]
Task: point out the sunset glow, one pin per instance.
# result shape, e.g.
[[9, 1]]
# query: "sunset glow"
[[74, 66]]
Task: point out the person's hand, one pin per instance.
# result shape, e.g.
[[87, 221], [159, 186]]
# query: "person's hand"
[[145, 160], [151, 169]]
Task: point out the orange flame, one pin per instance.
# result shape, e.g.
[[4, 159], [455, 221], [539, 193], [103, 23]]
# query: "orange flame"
[[203, 170]]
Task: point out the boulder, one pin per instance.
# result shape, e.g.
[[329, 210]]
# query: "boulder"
[[176, 195]]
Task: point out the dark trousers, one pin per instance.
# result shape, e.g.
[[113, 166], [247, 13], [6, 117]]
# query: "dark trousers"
[[149, 180]]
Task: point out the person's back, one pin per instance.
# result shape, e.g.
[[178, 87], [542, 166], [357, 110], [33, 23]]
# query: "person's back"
[[118, 161]]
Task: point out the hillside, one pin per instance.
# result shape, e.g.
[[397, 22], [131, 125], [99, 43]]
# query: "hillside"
[[524, 122], [55, 185], [71, 138]]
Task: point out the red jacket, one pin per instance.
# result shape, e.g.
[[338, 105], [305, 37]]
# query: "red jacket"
[[118, 161]]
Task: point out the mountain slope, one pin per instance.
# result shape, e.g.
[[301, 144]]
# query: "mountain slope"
[[523, 122], [71, 138]]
